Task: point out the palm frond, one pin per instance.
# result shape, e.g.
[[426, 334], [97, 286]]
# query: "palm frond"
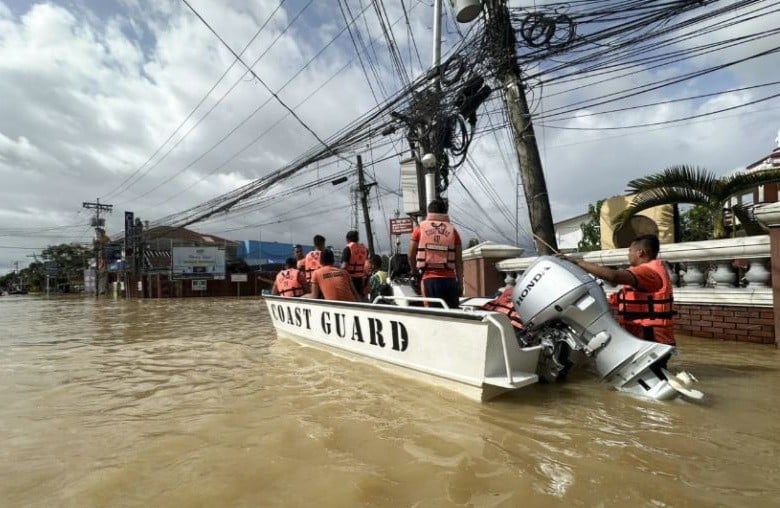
[[740, 183], [749, 223], [681, 176], [661, 196]]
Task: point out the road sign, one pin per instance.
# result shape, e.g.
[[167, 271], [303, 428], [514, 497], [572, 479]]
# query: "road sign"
[[401, 226], [238, 277]]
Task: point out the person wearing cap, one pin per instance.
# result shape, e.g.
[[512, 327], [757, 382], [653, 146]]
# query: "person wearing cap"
[[289, 282], [437, 250], [644, 302], [353, 260]]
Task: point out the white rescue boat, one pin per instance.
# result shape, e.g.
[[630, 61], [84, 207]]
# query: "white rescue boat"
[[476, 352]]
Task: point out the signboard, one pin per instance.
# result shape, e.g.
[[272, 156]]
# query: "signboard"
[[401, 226], [198, 263], [198, 285], [238, 277], [129, 225]]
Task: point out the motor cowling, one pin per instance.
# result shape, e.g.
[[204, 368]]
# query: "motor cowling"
[[559, 302]]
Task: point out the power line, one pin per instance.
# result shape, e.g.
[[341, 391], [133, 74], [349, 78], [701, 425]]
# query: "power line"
[[192, 112], [260, 80]]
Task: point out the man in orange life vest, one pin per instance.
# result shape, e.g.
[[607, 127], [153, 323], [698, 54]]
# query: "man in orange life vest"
[[436, 247], [312, 260], [353, 260], [290, 281], [331, 282], [644, 303]]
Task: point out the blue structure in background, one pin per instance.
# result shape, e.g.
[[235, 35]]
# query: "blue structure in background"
[[256, 253]]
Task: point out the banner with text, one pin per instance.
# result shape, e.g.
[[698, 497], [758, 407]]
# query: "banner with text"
[[198, 263]]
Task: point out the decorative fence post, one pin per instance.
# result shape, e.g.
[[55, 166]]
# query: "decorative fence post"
[[769, 215]]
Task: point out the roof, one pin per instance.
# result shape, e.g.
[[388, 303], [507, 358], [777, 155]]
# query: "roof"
[[187, 235], [577, 219]]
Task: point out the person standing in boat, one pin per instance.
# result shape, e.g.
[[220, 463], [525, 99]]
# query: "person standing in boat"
[[331, 282], [312, 260], [300, 258], [353, 260], [290, 282], [437, 249], [644, 302]]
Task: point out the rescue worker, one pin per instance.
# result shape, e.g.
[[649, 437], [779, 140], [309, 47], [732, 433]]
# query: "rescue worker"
[[437, 249], [353, 260], [331, 282], [290, 282], [312, 260], [503, 304], [300, 257], [644, 302]]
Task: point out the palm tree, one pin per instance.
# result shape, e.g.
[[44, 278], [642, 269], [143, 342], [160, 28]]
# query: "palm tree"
[[693, 185]]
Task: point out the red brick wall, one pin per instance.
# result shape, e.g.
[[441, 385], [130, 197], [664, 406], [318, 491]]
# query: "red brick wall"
[[744, 324]]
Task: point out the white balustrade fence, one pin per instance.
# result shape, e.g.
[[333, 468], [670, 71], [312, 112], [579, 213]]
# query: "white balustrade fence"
[[733, 271]]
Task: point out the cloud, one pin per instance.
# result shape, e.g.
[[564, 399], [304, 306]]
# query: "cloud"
[[90, 94]]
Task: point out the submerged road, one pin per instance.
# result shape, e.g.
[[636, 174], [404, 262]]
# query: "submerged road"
[[194, 402]]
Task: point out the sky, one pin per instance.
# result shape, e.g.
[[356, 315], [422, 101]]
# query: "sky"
[[91, 92]]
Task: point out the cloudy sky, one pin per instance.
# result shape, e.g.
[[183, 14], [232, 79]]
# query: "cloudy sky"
[[96, 99]]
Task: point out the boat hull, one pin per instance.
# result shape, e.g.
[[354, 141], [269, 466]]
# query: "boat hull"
[[471, 352]]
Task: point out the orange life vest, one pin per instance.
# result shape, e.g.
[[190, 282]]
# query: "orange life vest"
[[288, 282], [312, 262], [436, 248], [504, 305], [356, 267], [648, 315]]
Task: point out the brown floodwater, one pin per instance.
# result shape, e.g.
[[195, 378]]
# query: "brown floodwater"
[[195, 402]]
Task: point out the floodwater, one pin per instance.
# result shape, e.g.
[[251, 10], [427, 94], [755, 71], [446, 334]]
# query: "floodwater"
[[194, 402]]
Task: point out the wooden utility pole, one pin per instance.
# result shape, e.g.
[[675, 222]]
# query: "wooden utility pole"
[[99, 232], [364, 202], [502, 40]]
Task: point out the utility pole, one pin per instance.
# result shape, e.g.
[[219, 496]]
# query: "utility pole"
[[98, 224], [502, 35], [364, 202]]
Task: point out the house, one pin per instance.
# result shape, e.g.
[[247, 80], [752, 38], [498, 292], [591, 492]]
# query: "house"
[[568, 232]]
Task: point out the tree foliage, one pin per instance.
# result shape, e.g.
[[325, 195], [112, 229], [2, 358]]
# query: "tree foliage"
[[591, 230], [696, 186], [64, 263], [696, 224], [473, 242]]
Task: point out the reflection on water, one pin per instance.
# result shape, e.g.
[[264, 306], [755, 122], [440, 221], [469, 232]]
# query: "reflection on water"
[[195, 402]]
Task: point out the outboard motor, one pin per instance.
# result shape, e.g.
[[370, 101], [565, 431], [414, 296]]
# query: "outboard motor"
[[564, 309]]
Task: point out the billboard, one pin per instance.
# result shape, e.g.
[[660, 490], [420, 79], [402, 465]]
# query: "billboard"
[[198, 263]]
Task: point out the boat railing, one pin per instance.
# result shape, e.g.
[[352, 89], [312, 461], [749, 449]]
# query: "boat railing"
[[407, 299], [502, 331], [732, 271]]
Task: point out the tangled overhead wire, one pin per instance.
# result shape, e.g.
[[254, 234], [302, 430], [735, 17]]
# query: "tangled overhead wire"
[[547, 29]]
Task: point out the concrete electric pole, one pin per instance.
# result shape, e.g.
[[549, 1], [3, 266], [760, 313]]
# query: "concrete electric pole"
[[100, 231], [502, 36], [364, 202]]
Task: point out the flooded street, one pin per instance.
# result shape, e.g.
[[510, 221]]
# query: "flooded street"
[[194, 402]]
